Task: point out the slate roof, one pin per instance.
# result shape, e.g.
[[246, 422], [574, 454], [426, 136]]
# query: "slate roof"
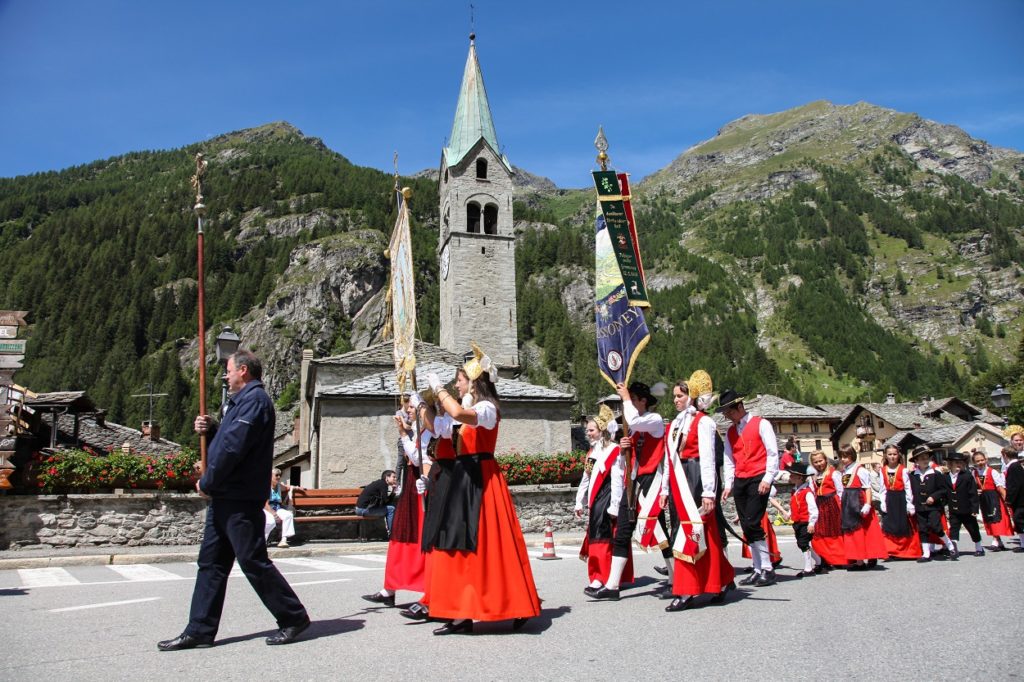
[[383, 354], [109, 435], [903, 415], [383, 385], [775, 408], [837, 410], [936, 435], [76, 401]]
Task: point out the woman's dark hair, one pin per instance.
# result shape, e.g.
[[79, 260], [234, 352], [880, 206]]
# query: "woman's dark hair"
[[848, 452], [384, 474]]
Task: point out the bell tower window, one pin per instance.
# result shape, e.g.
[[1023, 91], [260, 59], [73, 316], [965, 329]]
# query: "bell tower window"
[[491, 219], [473, 217], [481, 169]]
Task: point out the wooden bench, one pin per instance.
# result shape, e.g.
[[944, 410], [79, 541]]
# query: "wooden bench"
[[339, 503]]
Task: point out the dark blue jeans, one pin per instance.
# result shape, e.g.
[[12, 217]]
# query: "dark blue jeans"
[[234, 530], [387, 512]]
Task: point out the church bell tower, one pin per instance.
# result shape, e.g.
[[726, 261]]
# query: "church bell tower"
[[477, 248]]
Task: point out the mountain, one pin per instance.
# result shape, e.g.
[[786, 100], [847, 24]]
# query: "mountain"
[[829, 253], [823, 253]]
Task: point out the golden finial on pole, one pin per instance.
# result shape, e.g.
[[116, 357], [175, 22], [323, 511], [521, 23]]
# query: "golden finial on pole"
[[601, 143], [197, 185]]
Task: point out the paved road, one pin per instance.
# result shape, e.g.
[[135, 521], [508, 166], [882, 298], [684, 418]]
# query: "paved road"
[[902, 621]]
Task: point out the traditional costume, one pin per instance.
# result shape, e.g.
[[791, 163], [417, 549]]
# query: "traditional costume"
[[1013, 473], [406, 560], [480, 569], [771, 539], [828, 532], [698, 544], [751, 458], [964, 504], [601, 492], [862, 534], [803, 511], [994, 512], [930, 495], [898, 525], [649, 529]]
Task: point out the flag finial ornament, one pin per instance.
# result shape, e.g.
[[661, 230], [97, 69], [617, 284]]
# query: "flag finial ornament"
[[601, 143]]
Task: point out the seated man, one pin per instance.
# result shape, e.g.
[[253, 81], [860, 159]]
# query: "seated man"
[[378, 498], [276, 511]]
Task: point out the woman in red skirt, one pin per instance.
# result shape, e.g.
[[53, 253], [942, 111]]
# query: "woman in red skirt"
[[828, 532], [406, 560], [862, 534], [898, 526], [992, 487], [601, 492], [480, 569]]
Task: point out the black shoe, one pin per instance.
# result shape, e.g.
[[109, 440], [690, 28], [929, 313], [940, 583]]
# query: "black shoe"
[[679, 604], [665, 593], [607, 594], [518, 624], [767, 578], [661, 570], [720, 597], [924, 560], [750, 579], [416, 612], [954, 554], [591, 591], [805, 574], [979, 552], [288, 635], [378, 598], [872, 563], [455, 628], [185, 641]]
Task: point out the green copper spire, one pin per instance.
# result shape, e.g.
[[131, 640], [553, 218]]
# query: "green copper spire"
[[472, 115]]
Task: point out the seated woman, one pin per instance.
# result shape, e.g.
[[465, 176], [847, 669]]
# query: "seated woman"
[[275, 509]]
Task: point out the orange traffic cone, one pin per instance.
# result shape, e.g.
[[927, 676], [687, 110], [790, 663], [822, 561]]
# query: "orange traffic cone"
[[549, 543]]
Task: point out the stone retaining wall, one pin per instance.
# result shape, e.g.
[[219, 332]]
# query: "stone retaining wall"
[[166, 518]]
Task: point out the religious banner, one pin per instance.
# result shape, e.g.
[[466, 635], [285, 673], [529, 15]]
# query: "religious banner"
[[613, 196], [621, 329], [402, 294]]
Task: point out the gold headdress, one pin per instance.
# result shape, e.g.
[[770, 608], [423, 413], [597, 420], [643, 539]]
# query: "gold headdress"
[[604, 417], [1012, 430], [699, 383], [478, 364]]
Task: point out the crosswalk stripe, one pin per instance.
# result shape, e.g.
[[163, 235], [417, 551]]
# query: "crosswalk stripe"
[[324, 566], [144, 572], [46, 577], [104, 604], [378, 558]]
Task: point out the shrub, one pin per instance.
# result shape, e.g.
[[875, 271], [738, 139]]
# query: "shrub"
[[561, 467], [85, 468]]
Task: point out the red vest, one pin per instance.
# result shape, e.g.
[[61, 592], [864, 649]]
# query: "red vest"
[[798, 510], [691, 448], [828, 484], [650, 452], [445, 449], [475, 440], [854, 481], [748, 450], [986, 483], [893, 481]]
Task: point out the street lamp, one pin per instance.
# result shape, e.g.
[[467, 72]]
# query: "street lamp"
[[1001, 399], [227, 343]]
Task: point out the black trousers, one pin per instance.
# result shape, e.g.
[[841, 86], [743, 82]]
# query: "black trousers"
[[234, 530], [968, 521], [751, 506], [624, 528]]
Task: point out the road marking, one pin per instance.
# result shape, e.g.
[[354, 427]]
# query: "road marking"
[[322, 566], [46, 577], [103, 605], [320, 582], [144, 573], [379, 558]]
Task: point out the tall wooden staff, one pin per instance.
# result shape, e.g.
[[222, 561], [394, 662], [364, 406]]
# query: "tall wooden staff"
[[200, 209]]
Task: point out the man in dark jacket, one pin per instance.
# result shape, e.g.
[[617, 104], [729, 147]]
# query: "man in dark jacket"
[[378, 498], [239, 462]]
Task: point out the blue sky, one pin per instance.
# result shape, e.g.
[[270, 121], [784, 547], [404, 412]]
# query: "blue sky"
[[85, 80]]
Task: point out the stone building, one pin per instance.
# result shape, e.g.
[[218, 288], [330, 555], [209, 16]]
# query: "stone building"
[[347, 434]]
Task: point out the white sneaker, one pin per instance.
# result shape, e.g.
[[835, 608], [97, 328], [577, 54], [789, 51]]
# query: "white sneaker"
[[283, 543]]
